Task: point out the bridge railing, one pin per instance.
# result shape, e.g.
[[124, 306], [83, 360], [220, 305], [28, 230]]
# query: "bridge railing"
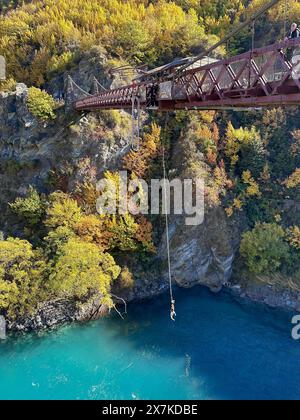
[[263, 70]]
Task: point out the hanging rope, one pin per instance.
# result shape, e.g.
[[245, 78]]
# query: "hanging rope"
[[285, 19], [253, 36], [135, 118], [172, 312]]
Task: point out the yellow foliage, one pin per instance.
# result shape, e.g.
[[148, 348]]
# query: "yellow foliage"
[[235, 139], [294, 180], [41, 36], [86, 195], [238, 204], [126, 278], [62, 211], [229, 211], [253, 187], [91, 228], [82, 270], [22, 273], [144, 233], [293, 236]]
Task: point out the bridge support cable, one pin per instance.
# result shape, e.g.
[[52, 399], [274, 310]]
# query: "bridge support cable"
[[223, 41], [98, 87], [73, 85]]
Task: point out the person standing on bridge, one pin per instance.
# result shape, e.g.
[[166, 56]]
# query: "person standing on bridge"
[[294, 33]]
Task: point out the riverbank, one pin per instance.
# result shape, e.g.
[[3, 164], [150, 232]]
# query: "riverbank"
[[61, 311], [268, 295]]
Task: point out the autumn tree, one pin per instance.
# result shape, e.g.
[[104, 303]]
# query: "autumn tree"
[[30, 210], [62, 211], [83, 271], [22, 277]]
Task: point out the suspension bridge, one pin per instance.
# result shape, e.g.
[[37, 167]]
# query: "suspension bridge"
[[261, 77]]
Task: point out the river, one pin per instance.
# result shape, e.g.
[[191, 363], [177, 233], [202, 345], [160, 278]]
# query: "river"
[[217, 349]]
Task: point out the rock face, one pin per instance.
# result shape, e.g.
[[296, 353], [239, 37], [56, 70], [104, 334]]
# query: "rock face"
[[58, 312], [2, 328], [269, 295], [76, 147], [201, 254]]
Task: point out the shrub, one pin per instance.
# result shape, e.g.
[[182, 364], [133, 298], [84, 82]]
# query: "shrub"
[[40, 104], [245, 149], [8, 85], [144, 233], [252, 185], [22, 272], [139, 162], [123, 230], [31, 209], [264, 248], [126, 278], [86, 195], [294, 180], [91, 228]]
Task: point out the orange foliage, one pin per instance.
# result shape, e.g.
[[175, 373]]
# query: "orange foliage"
[[91, 228], [86, 195], [211, 157], [139, 162], [143, 233], [215, 134]]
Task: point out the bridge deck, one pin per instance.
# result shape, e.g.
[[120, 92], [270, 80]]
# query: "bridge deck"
[[262, 77]]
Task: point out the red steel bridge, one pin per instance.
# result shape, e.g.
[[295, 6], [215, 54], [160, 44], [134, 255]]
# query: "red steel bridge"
[[261, 77]]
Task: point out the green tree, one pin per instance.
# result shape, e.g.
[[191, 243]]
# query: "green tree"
[[264, 248], [40, 104], [30, 209], [245, 149], [56, 239]]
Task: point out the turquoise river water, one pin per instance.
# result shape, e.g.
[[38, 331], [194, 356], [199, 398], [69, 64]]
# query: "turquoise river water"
[[217, 349]]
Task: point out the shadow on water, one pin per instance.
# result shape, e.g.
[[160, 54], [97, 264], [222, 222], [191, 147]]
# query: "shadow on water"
[[217, 349]]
